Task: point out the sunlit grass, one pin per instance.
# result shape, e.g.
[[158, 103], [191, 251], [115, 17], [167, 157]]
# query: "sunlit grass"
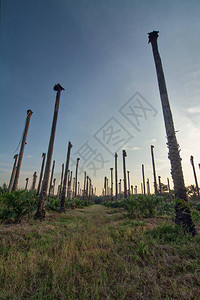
[[98, 253]]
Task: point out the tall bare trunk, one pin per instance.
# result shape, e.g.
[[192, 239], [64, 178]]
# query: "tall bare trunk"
[[61, 181], [84, 188], [43, 194], [148, 186], [120, 188], [75, 193], [195, 176], [54, 184], [154, 170], [136, 189], [105, 186], [69, 185], [51, 179], [116, 180], [41, 173], [111, 183], [26, 186], [124, 168], [183, 216], [34, 181], [129, 191], [87, 182], [160, 186], [13, 173], [62, 200], [15, 184], [143, 177], [142, 188]]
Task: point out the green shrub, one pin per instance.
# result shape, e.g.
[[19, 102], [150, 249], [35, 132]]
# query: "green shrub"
[[168, 234], [53, 204], [17, 205], [143, 206], [3, 189]]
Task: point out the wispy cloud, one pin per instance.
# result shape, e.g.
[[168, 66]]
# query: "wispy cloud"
[[135, 148], [193, 110], [153, 141]]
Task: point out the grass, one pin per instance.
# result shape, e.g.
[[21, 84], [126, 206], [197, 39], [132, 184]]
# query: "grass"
[[98, 253]]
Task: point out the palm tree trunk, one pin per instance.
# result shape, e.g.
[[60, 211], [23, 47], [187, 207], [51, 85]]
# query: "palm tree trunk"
[[120, 188], [136, 189], [34, 181], [183, 216], [51, 179], [43, 194], [27, 179], [54, 184], [41, 172], [61, 181], [195, 176], [62, 200], [116, 180], [154, 170], [124, 168], [84, 187], [69, 185], [160, 186], [75, 192], [143, 177], [105, 186], [13, 173], [111, 189], [148, 186], [15, 184], [128, 175]]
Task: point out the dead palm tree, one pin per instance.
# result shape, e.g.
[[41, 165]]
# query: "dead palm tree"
[[160, 185], [143, 178], [75, 192], [23, 143], [51, 179], [129, 190], [154, 170], [13, 173], [195, 176], [34, 181], [124, 168], [43, 194], [116, 180], [183, 216], [41, 172], [27, 179], [61, 181], [111, 189], [54, 184], [62, 200], [84, 186]]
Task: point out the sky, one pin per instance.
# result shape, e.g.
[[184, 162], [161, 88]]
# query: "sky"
[[99, 52]]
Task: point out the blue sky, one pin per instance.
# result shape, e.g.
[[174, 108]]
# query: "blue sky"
[[98, 51]]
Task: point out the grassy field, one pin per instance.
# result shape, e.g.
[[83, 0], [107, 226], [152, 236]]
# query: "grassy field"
[[98, 253]]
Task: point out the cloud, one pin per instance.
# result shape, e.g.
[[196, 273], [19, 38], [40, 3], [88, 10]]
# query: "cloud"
[[29, 156], [135, 148], [193, 110], [153, 140]]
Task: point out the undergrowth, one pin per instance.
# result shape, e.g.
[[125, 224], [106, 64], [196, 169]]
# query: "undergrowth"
[[96, 254]]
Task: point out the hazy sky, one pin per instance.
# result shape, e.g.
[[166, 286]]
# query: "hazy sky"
[[99, 52]]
